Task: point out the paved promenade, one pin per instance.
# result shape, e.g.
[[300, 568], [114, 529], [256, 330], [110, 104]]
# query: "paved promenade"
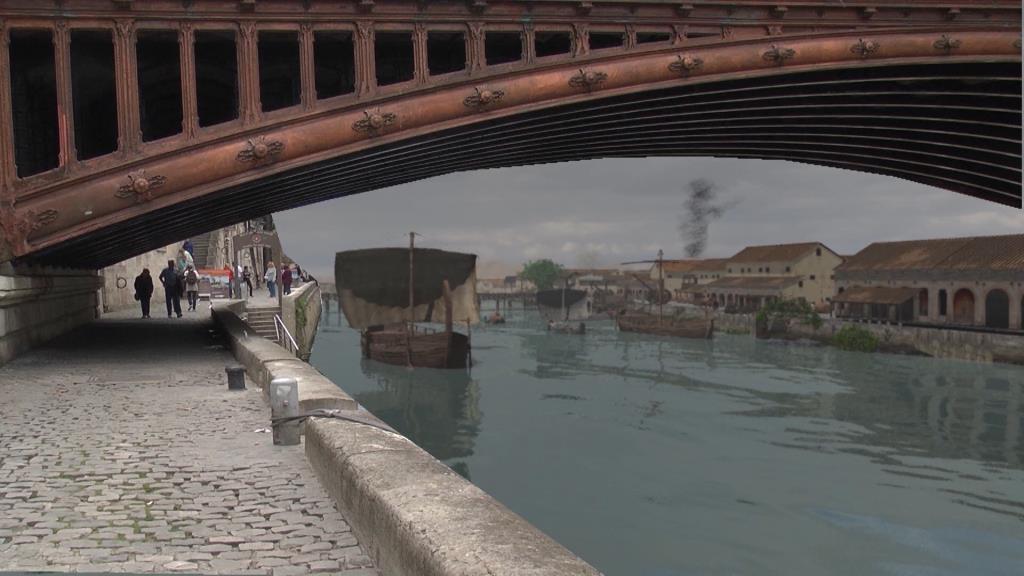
[[122, 451]]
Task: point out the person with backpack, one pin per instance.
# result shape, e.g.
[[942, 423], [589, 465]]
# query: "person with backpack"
[[172, 288], [192, 287], [144, 290]]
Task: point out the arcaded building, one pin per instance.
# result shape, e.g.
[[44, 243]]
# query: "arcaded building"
[[971, 282]]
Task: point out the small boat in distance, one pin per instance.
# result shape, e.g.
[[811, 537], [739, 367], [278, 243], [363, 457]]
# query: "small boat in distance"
[[647, 323], [385, 292]]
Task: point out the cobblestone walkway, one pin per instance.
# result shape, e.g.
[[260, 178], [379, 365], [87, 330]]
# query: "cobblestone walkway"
[[122, 451]]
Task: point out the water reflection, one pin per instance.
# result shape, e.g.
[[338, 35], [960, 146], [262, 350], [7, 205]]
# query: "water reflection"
[[438, 409], [726, 457]]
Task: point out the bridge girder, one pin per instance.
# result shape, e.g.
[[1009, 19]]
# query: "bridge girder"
[[933, 103]]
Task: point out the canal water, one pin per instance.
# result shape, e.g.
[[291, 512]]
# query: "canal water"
[[664, 457]]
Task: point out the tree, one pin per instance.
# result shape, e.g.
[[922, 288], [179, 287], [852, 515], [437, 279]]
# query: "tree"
[[543, 273]]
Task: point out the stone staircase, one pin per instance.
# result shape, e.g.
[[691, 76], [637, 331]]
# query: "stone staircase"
[[261, 320], [201, 249]]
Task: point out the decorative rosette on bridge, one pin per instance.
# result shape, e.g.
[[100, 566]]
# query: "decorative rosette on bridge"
[[685, 63], [947, 44], [864, 48], [778, 55], [140, 186], [482, 97], [259, 150], [374, 122], [587, 79]]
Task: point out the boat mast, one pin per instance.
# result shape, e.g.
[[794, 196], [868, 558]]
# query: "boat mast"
[[412, 303], [661, 287]]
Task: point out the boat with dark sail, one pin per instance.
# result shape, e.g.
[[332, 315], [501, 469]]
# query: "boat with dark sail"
[[565, 309], [657, 324], [387, 293]]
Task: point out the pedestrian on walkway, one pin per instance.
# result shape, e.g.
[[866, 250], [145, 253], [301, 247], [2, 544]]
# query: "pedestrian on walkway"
[[247, 278], [144, 291], [230, 281], [286, 279], [192, 287], [172, 288], [188, 247], [185, 260], [271, 278]]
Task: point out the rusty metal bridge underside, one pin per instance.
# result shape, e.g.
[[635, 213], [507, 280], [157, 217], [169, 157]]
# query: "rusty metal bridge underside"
[[922, 92]]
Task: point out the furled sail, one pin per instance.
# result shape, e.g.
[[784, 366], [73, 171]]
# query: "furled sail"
[[373, 285]]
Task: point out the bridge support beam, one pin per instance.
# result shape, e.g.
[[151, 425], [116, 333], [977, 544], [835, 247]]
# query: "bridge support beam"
[[39, 304]]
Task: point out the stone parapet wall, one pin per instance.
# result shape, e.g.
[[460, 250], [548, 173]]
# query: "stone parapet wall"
[[411, 513], [985, 347], [37, 305], [300, 312]]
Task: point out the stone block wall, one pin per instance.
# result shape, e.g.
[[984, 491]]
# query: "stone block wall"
[[39, 304]]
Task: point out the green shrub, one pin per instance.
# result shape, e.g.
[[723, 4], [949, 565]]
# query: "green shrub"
[[799, 310], [855, 338]]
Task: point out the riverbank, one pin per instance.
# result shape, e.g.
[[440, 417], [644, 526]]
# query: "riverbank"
[[970, 346], [414, 514]]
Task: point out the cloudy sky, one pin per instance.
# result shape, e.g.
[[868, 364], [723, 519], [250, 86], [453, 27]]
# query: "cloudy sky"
[[626, 209]]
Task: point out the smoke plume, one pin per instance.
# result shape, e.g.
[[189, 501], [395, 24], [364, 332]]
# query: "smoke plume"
[[699, 209]]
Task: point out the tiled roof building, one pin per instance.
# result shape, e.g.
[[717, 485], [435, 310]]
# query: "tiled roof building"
[[975, 281], [760, 274]]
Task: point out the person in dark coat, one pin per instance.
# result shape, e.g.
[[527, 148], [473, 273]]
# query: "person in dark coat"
[[173, 287], [144, 290]]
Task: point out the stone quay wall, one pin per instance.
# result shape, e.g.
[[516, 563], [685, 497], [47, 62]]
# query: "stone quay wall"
[[984, 347], [413, 514], [39, 304]]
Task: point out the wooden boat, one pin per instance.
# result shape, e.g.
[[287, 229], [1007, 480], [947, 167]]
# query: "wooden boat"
[[658, 324], [385, 292], [680, 327], [395, 345]]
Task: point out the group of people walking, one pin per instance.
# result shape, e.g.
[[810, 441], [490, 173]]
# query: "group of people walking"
[[291, 274], [181, 278]]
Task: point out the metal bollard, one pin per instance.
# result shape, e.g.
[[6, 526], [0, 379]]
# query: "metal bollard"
[[284, 402], [236, 377]]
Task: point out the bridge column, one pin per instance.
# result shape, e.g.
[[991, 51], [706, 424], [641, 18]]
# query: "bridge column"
[[580, 39], [306, 65], [187, 55], [65, 108], [6, 130], [421, 71], [128, 131], [366, 74], [477, 57], [529, 45], [248, 72]]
